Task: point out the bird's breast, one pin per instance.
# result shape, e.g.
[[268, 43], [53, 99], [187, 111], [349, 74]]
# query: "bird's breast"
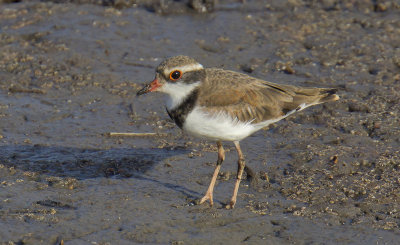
[[180, 112], [219, 126]]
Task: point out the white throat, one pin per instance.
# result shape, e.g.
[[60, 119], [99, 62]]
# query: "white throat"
[[177, 92]]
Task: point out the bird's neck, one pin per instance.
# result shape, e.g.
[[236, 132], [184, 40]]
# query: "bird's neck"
[[180, 112], [177, 93]]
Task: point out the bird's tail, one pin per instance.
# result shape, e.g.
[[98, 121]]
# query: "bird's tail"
[[305, 97], [328, 94]]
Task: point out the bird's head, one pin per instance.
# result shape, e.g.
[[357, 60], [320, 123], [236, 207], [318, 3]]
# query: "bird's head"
[[177, 75]]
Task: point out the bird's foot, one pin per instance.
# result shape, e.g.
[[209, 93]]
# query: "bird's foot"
[[207, 196], [231, 204]]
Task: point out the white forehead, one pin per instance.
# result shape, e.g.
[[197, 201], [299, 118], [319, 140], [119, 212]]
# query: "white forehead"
[[184, 68]]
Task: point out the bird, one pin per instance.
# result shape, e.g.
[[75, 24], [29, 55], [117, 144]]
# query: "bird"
[[223, 105]]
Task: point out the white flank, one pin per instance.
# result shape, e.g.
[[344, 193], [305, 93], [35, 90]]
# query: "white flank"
[[221, 126], [185, 68], [177, 92]]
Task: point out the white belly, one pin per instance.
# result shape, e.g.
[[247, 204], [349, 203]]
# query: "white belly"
[[219, 126]]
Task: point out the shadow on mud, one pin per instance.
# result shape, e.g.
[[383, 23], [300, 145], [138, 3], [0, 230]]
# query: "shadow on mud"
[[84, 163]]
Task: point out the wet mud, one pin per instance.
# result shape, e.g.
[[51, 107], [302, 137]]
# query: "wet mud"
[[69, 72]]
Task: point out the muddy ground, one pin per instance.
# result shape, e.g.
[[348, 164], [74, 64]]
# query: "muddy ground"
[[68, 76]]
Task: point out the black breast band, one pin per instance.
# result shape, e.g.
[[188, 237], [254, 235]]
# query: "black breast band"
[[180, 113]]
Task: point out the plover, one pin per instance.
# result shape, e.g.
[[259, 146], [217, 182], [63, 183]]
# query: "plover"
[[226, 106]]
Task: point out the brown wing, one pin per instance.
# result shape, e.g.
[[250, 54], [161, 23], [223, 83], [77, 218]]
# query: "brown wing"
[[242, 96], [251, 99]]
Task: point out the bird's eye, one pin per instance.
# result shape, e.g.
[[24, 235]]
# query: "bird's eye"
[[175, 75]]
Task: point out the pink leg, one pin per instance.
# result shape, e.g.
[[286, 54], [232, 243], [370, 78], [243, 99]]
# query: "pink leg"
[[241, 164], [221, 158]]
